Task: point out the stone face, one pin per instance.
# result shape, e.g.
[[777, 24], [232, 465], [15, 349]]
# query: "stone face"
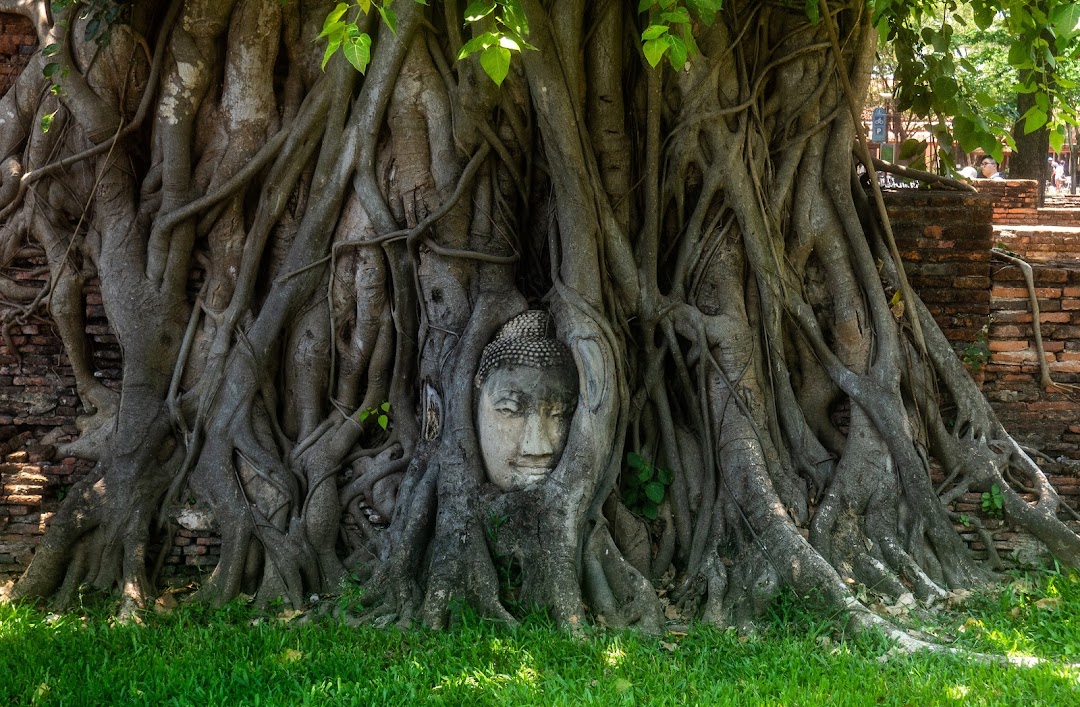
[[523, 419], [528, 394]]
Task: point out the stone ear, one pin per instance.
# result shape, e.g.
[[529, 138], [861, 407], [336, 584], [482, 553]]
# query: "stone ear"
[[590, 360]]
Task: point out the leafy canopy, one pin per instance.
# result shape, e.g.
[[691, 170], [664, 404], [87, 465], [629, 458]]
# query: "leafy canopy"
[[956, 62], [951, 58]]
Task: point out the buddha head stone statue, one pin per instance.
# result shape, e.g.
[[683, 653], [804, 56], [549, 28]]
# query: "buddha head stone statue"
[[528, 393]]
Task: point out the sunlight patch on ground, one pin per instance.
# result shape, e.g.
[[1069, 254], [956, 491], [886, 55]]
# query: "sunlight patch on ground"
[[614, 655], [957, 692]]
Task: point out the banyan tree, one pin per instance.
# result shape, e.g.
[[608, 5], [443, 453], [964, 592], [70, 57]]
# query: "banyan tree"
[[514, 318]]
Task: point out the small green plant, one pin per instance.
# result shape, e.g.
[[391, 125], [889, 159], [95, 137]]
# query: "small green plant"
[[381, 415], [977, 353], [965, 520], [350, 593], [993, 501], [507, 565], [644, 488]]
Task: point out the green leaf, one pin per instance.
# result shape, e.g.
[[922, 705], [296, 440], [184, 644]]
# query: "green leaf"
[[331, 46], [364, 415], [92, 29], [1020, 55], [911, 148], [50, 49], [997, 152], [513, 17], [655, 491], [678, 16], [663, 476], [677, 55], [1065, 19], [496, 63], [634, 460], [653, 31], [984, 15], [646, 472], [383, 421], [477, 43], [688, 38], [385, 407], [630, 498], [654, 49], [47, 121], [357, 50], [1033, 120], [644, 5], [1057, 138], [965, 133], [333, 21], [705, 9], [945, 87], [479, 9], [389, 17], [649, 511], [49, 69]]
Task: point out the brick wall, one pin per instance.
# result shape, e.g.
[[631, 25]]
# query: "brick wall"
[[1041, 243], [17, 44], [1047, 419], [1015, 201], [945, 238], [38, 406]]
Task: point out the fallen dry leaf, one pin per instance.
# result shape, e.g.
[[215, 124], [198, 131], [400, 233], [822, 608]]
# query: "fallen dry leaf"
[[165, 604], [289, 614]]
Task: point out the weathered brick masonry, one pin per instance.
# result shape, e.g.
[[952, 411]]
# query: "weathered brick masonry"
[[38, 407], [17, 44], [946, 240], [1016, 203]]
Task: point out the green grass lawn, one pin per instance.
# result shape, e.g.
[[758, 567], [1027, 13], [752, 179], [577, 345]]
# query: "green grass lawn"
[[194, 656]]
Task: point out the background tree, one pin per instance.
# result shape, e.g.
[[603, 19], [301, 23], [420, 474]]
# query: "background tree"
[[989, 73], [303, 263]]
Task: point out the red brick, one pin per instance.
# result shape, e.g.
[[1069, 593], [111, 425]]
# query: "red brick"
[[1027, 356], [1000, 345]]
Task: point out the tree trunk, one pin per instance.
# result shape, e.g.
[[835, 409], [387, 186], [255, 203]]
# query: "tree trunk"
[[1028, 161], [304, 268]]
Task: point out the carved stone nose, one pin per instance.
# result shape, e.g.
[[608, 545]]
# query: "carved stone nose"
[[535, 441]]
